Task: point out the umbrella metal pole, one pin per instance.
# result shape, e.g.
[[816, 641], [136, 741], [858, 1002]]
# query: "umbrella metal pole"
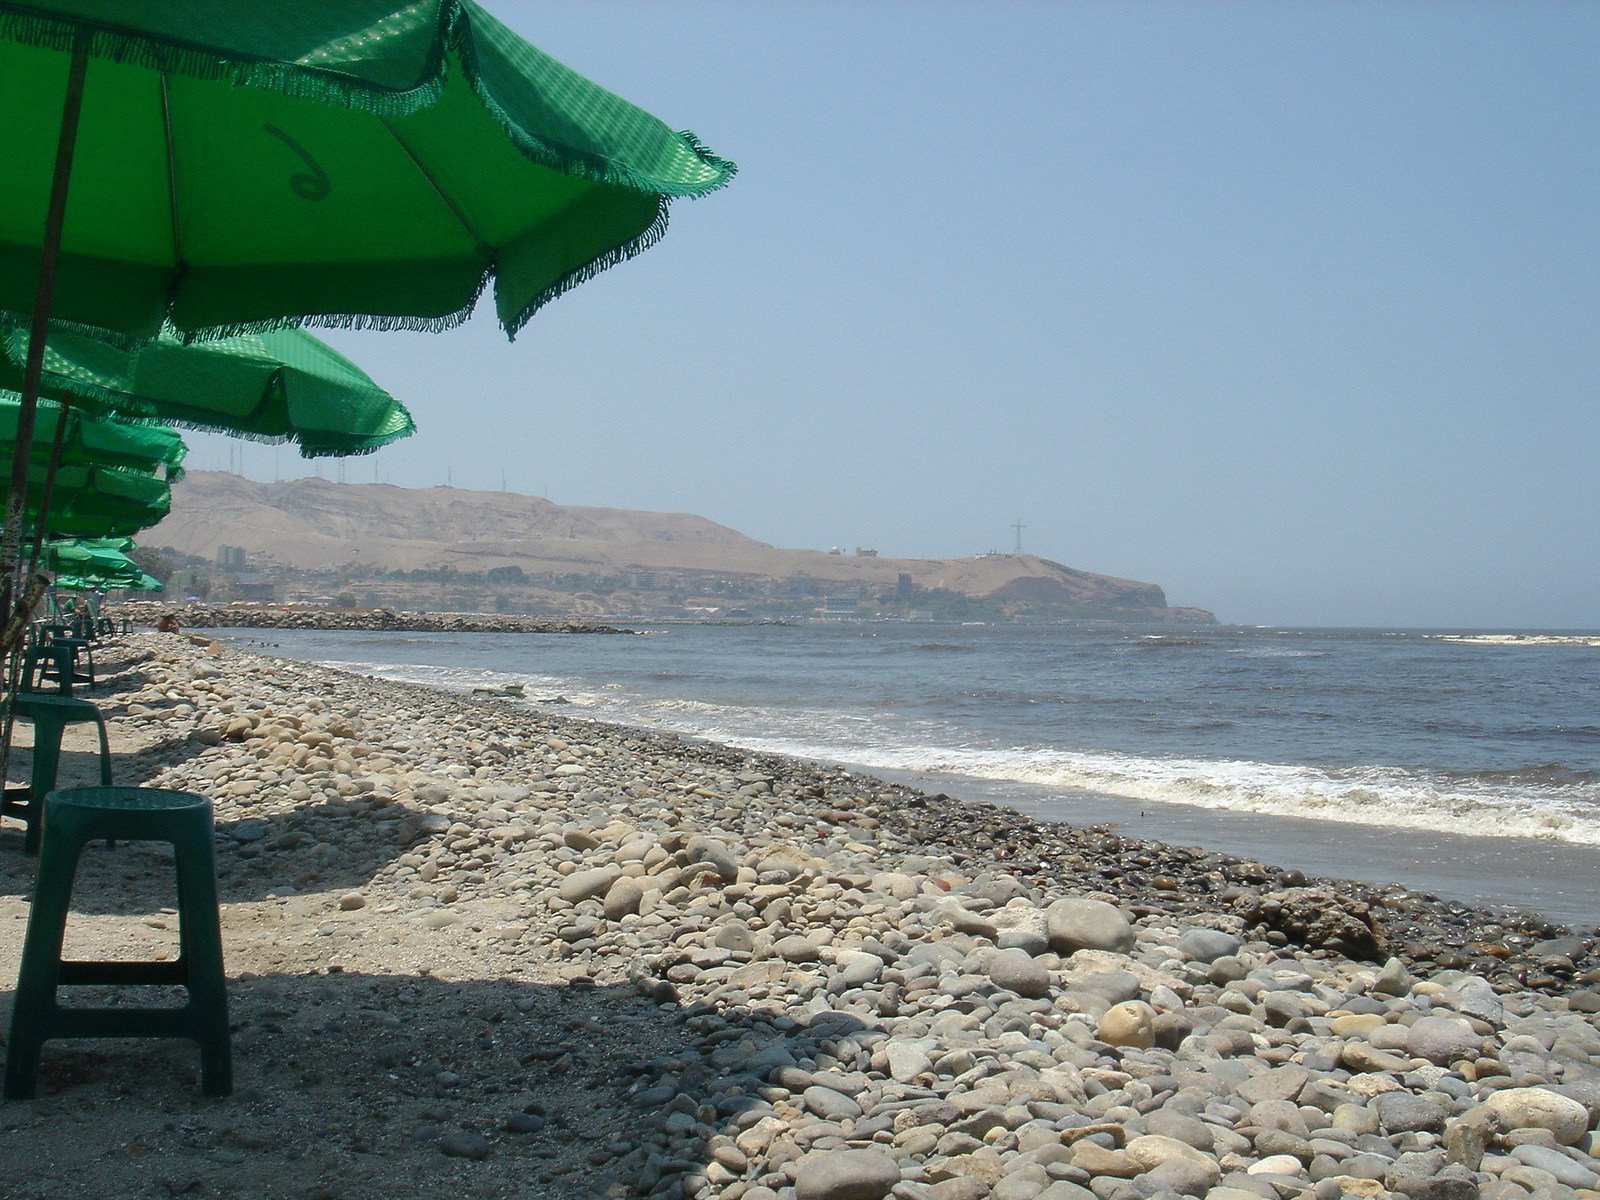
[[63, 413], [14, 595], [44, 295]]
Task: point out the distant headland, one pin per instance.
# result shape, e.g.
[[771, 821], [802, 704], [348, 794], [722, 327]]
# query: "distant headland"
[[444, 549]]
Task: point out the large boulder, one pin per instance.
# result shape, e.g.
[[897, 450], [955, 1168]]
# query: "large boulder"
[[845, 1175], [1077, 924], [1538, 1108]]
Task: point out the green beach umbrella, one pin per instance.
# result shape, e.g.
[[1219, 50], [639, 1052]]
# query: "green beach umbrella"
[[111, 478], [85, 555], [138, 581], [278, 385], [231, 163], [82, 564], [93, 500], [147, 447]]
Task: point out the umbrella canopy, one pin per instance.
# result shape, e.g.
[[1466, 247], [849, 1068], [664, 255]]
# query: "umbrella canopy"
[[112, 478], [135, 581], [82, 564], [278, 385], [92, 500], [84, 439], [72, 554], [366, 162]]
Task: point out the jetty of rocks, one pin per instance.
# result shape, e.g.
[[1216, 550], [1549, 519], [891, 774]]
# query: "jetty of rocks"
[[250, 616], [477, 948]]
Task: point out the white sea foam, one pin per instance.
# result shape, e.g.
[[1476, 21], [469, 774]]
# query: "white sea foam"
[[1516, 639], [1370, 796]]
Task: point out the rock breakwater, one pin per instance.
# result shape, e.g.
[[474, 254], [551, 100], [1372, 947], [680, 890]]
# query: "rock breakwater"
[[230, 616], [478, 949]]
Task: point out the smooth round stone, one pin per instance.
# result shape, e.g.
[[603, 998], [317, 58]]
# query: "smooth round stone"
[[1275, 1164], [829, 1104], [735, 936], [1429, 1177], [1207, 945], [714, 853], [1132, 1023], [1403, 1112], [462, 1144], [623, 899], [1184, 1177], [845, 1175], [907, 1060], [1283, 1115], [1364, 1059], [1115, 986], [1557, 1164], [1535, 1108], [796, 948], [1016, 971], [857, 968], [1151, 1151], [1099, 1160], [1029, 941], [1191, 1131], [1442, 1040], [1076, 924], [583, 885]]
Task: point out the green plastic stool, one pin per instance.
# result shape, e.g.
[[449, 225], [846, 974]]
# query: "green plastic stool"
[[49, 662], [82, 667], [50, 714], [73, 817]]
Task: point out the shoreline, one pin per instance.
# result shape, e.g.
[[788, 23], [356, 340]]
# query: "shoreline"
[[1549, 876], [480, 949]]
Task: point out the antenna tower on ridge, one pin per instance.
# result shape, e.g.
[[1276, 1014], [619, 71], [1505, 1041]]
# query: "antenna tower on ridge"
[[1019, 527]]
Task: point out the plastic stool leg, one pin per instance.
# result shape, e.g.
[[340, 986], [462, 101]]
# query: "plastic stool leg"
[[47, 729], [200, 947], [40, 972]]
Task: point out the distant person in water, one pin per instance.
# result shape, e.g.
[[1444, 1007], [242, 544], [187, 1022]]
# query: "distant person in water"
[[168, 623]]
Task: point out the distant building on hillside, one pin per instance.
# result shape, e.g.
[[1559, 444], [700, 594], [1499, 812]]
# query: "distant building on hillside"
[[864, 553], [839, 606], [257, 589], [230, 558]]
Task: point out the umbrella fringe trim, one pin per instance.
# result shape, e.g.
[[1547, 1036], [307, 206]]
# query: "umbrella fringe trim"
[[127, 46], [347, 449], [621, 254], [380, 321], [15, 320]]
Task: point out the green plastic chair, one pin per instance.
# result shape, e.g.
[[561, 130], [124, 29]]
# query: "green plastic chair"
[[73, 817]]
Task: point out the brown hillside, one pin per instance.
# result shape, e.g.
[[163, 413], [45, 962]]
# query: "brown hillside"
[[313, 524]]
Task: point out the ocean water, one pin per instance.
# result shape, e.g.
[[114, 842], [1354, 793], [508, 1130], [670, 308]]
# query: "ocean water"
[[1462, 764]]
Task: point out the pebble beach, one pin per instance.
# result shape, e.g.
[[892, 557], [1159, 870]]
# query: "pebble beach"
[[476, 948]]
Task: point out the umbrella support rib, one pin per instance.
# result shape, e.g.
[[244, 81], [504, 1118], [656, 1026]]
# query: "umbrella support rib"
[[172, 176], [482, 247]]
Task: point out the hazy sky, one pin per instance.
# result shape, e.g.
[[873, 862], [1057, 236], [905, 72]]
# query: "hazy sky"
[[1290, 308]]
